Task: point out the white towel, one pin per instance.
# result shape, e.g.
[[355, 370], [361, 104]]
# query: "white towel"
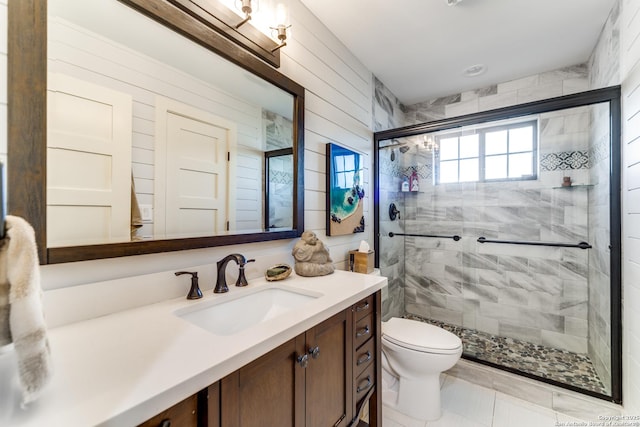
[[21, 315]]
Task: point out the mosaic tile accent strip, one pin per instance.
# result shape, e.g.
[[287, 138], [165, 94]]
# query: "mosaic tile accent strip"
[[546, 362], [424, 171], [280, 177], [565, 160]]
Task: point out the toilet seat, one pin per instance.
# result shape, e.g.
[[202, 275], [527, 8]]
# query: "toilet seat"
[[419, 336]]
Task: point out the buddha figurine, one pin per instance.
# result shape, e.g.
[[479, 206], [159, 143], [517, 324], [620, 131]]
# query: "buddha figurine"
[[312, 256]]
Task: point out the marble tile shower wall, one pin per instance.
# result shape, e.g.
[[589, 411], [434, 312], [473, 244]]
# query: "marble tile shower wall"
[[539, 294], [571, 314], [604, 70], [546, 85], [391, 250], [387, 114], [599, 318]]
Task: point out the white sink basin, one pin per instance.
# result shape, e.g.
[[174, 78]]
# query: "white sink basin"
[[230, 316]]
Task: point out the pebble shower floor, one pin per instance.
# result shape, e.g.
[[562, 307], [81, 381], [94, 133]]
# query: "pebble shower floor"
[[546, 362]]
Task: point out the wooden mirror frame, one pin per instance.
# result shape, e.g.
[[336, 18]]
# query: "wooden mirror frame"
[[27, 128]]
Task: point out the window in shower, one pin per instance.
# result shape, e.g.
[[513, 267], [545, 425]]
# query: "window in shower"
[[496, 153]]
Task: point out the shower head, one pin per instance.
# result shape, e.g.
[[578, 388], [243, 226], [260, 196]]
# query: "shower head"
[[404, 149]]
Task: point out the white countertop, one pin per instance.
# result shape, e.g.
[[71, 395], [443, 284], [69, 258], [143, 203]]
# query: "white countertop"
[[121, 369]]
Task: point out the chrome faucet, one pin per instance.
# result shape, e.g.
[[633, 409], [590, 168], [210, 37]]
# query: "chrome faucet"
[[221, 283]]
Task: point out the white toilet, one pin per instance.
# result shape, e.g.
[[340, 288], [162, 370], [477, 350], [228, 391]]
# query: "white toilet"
[[413, 356]]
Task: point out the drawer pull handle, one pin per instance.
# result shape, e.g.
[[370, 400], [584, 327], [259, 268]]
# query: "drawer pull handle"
[[314, 352], [165, 423], [362, 332], [366, 386], [303, 360], [364, 358], [362, 307]]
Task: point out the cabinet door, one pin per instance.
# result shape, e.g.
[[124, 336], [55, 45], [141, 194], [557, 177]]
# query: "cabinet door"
[[268, 391], [209, 406], [329, 373], [181, 414]]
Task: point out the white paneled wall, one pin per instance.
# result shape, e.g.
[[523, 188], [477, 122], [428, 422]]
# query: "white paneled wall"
[[338, 109], [630, 74], [3, 81]]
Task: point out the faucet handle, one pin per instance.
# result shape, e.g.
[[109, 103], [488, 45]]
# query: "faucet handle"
[[194, 292], [242, 280]]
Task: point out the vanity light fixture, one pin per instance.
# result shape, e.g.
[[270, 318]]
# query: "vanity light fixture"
[[245, 7], [281, 30], [430, 144], [282, 24]]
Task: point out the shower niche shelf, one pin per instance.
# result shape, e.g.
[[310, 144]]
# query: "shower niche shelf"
[[569, 187]]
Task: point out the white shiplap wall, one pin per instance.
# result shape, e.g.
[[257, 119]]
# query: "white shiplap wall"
[[630, 75], [338, 109]]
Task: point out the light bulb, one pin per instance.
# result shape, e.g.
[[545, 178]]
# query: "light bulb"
[[282, 16]]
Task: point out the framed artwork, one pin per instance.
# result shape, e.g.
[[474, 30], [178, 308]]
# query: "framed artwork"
[[345, 193]]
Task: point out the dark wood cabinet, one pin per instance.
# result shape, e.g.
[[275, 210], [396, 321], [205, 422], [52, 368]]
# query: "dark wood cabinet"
[[324, 377], [328, 375], [268, 391], [304, 382], [184, 413], [367, 366]]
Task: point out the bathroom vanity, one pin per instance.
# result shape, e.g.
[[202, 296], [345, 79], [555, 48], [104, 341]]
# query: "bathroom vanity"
[[310, 360], [317, 378]]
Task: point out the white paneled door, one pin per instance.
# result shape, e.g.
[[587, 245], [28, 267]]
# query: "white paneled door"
[[194, 157], [88, 163]]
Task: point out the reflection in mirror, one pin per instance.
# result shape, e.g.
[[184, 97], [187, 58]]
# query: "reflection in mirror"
[[279, 181], [152, 136]]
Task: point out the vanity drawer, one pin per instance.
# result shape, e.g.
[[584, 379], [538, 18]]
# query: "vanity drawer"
[[364, 330], [364, 356], [364, 382], [364, 307]]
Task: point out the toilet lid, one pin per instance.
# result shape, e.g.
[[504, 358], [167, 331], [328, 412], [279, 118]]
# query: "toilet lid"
[[420, 336]]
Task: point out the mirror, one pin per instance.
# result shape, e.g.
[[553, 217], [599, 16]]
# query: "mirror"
[[190, 134]]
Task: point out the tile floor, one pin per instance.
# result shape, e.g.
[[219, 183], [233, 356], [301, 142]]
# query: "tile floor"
[[546, 362], [466, 404]]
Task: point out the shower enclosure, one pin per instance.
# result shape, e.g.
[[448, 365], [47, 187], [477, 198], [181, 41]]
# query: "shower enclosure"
[[504, 228]]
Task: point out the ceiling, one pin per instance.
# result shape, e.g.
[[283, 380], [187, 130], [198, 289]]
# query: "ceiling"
[[420, 49]]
